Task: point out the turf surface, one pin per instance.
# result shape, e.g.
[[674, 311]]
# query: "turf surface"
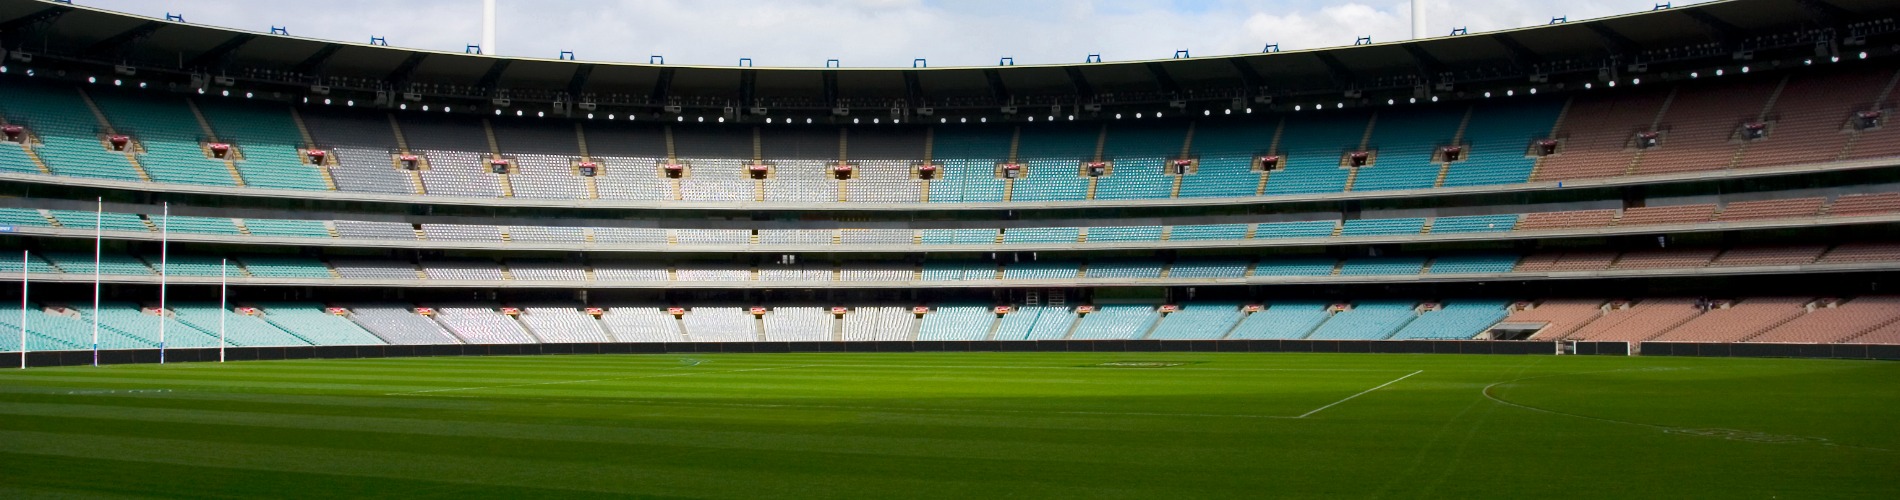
[[958, 426]]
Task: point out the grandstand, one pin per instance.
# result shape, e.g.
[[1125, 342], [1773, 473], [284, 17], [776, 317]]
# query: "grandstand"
[[1463, 265], [1438, 214]]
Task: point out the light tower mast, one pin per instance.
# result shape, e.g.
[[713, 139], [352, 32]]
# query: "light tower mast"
[[1418, 18], [487, 27]]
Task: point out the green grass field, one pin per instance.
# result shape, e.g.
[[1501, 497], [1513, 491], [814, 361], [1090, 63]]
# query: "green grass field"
[[958, 426]]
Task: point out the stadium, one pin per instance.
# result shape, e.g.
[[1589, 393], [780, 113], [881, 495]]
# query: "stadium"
[[1644, 255]]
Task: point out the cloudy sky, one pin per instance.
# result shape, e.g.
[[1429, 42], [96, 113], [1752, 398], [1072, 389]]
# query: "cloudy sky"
[[870, 32]]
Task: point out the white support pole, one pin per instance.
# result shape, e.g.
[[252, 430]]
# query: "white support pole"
[[25, 259], [164, 257], [224, 310], [488, 27], [98, 240], [1418, 19]]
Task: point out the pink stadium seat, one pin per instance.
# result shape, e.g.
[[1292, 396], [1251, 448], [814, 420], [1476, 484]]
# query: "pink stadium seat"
[[1773, 209], [1645, 320], [1666, 259], [1863, 252], [1840, 323], [1561, 316], [1567, 220], [1701, 125], [1808, 122], [1680, 214], [1865, 204], [1769, 256], [1739, 321], [1597, 134]]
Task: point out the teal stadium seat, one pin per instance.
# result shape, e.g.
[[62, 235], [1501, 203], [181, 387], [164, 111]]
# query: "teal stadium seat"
[[286, 228], [1500, 137], [170, 135], [23, 217], [957, 322], [1208, 268], [1474, 224], [308, 321], [1377, 266], [1124, 268], [1115, 322], [109, 263], [1302, 229], [1462, 320], [1110, 234], [72, 142], [1311, 266], [1382, 227], [199, 225], [1042, 235], [1035, 323], [1473, 264], [109, 221], [271, 144], [1405, 143], [1226, 155], [285, 267], [1368, 320], [1205, 232], [1282, 320], [1313, 148], [1041, 270], [1198, 321], [239, 329], [1140, 152]]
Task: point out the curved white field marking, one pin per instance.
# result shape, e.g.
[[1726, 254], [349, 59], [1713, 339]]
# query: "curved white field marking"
[[1729, 434]]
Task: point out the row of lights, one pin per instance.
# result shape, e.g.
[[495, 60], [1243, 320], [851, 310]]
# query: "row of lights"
[[1297, 107]]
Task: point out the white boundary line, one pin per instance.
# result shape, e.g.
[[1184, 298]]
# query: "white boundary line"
[[1361, 393], [427, 391], [436, 392]]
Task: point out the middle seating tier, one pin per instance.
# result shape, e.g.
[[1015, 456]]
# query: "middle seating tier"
[[1850, 208]]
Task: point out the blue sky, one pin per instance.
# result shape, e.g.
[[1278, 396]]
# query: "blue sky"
[[870, 32]]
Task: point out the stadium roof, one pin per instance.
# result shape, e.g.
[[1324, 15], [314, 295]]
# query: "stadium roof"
[[1721, 30]]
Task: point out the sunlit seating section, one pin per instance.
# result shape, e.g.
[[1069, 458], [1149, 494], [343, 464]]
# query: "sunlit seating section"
[[399, 324], [1198, 321], [1457, 319], [562, 323], [309, 321], [1035, 323], [483, 325], [1282, 320], [642, 324], [1115, 322], [799, 323], [1367, 320], [957, 322], [719, 324]]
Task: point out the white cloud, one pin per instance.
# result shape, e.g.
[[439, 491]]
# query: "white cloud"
[[870, 32]]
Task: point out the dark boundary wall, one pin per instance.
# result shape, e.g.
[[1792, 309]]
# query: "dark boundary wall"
[[1754, 350], [73, 358]]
